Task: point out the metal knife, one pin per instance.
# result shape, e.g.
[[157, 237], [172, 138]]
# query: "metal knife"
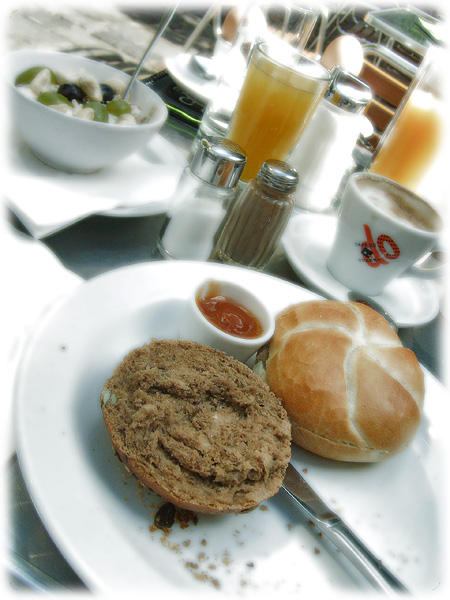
[[331, 525]]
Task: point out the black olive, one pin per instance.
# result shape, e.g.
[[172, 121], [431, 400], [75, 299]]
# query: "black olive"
[[107, 92], [165, 516], [72, 92]]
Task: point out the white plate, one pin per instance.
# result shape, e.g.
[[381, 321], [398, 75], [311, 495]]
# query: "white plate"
[[307, 241], [182, 71], [139, 185], [100, 518]]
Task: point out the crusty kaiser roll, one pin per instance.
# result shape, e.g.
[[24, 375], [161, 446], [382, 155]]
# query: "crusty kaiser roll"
[[351, 390]]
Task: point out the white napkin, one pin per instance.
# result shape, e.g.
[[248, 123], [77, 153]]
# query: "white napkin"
[[47, 200], [33, 280]]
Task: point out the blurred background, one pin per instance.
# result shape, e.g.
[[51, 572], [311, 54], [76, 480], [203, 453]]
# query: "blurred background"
[[394, 37]]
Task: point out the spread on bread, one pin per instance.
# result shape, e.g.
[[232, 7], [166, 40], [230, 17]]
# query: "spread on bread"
[[351, 390], [197, 426]]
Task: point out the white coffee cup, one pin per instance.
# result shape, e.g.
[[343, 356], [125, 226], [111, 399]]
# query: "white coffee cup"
[[383, 230]]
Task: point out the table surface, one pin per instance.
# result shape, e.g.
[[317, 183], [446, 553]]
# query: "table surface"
[[99, 243]]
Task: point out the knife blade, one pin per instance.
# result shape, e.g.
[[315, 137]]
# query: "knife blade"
[[334, 528]]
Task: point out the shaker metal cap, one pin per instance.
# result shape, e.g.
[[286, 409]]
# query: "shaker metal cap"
[[219, 161], [278, 175], [347, 91]]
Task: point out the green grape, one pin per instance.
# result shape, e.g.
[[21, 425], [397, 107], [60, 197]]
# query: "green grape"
[[118, 107], [27, 76], [100, 112], [49, 98]]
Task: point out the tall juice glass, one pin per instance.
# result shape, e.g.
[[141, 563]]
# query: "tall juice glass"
[[281, 91], [259, 23], [415, 136]]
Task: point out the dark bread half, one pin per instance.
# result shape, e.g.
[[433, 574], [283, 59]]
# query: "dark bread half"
[[196, 426]]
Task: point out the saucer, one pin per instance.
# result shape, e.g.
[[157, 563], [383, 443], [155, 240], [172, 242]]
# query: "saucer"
[[307, 241], [182, 72], [139, 185]]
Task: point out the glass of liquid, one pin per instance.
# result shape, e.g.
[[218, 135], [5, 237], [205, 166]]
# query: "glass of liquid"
[[259, 22], [281, 91], [414, 140]]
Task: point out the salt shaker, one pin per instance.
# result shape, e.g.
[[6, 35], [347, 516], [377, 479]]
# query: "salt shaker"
[[324, 151], [258, 217], [206, 188]]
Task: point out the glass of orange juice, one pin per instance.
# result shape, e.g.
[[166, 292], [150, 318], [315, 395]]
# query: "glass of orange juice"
[[415, 136], [281, 90]]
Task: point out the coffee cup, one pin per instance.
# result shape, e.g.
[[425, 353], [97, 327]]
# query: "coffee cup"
[[383, 230]]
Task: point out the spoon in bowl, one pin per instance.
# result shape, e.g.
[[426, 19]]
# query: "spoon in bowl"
[[165, 20]]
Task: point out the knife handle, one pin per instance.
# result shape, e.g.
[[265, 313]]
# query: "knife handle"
[[363, 559]]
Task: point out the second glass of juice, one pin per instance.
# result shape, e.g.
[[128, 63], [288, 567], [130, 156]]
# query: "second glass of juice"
[[281, 91], [414, 140]]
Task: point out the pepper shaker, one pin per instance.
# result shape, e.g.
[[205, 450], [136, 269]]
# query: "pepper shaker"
[[206, 188], [258, 217]]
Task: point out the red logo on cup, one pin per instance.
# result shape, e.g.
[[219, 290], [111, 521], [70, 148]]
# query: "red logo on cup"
[[375, 255]]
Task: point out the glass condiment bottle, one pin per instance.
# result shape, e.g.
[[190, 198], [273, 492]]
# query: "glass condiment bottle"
[[217, 114], [206, 188], [324, 151], [258, 217]]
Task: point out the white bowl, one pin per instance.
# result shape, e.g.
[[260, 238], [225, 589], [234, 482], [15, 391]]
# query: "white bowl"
[[67, 142], [196, 327]]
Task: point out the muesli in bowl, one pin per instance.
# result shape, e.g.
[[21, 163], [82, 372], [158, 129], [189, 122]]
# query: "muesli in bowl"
[[70, 110], [81, 95]]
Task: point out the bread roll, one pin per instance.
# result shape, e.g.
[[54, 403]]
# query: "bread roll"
[[197, 427], [351, 390]]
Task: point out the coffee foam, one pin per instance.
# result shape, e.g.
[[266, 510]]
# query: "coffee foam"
[[394, 202]]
